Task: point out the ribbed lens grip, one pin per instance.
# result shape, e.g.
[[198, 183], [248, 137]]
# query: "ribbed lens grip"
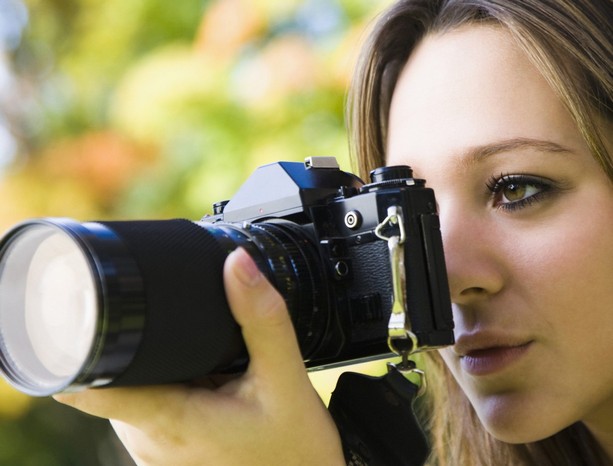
[[189, 331]]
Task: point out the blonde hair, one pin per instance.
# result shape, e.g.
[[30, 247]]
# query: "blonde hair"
[[570, 42]]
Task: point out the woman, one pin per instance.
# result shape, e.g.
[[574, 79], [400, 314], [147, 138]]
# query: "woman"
[[506, 109]]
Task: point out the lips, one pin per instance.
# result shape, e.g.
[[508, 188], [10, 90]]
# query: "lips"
[[484, 354]]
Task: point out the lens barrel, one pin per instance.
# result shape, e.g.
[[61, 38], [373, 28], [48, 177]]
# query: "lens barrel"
[[139, 302]]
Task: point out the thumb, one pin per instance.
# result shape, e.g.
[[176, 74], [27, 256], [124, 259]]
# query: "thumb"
[[262, 315]]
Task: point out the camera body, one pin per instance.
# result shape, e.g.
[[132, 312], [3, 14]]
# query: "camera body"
[[143, 302], [331, 217]]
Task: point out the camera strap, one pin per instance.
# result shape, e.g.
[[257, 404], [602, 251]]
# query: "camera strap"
[[376, 421], [374, 415]]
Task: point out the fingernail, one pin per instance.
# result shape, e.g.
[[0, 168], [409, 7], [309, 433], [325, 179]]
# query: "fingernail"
[[247, 272]]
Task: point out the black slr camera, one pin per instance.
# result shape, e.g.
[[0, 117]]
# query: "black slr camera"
[[112, 303]]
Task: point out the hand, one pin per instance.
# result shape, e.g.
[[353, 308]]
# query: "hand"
[[270, 415]]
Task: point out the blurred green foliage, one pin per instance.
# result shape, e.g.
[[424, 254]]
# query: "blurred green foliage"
[[140, 109], [145, 108], [49, 434]]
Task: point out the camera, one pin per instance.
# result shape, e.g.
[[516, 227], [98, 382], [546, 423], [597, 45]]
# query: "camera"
[[117, 303]]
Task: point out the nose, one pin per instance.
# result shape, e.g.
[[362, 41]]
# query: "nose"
[[475, 265]]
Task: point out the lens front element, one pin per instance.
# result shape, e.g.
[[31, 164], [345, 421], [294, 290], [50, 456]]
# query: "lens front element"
[[48, 308]]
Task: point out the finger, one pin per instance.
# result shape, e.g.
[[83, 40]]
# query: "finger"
[[131, 405], [265, 322]]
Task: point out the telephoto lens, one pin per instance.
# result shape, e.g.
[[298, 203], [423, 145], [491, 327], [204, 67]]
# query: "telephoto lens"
[[82, 302]]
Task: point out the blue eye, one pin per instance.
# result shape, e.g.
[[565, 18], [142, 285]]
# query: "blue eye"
[[513, 192]]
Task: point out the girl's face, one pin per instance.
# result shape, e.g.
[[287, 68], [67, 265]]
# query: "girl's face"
[[527, 223]]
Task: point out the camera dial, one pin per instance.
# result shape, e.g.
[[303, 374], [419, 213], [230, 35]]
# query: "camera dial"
[[397, 176]]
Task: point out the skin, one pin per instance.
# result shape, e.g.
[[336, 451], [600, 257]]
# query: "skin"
[[529, 264]]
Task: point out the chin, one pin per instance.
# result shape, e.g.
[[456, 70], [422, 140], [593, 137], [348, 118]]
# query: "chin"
[[516, 422], [516, 437]]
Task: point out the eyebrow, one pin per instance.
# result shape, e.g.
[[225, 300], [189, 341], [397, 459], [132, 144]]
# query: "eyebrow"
[[478, 153]]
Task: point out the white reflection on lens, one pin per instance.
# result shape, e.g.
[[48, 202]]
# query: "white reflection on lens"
[[60, 305]]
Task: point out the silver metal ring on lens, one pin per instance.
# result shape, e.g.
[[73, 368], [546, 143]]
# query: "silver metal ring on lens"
[[48, 307], [56, 280]]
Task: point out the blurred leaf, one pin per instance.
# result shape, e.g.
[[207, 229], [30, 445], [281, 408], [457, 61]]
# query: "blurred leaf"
[[149, 102]]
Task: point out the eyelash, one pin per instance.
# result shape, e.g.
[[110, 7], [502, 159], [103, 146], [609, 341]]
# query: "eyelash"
[[496, 185]]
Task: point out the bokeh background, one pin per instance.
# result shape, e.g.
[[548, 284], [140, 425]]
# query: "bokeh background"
[[155, 109]]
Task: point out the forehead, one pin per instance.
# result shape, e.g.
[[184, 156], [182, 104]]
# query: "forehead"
[[469, 87]]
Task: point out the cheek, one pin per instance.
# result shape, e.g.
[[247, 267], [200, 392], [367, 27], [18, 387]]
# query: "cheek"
[[560, 283], [569, 264]]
